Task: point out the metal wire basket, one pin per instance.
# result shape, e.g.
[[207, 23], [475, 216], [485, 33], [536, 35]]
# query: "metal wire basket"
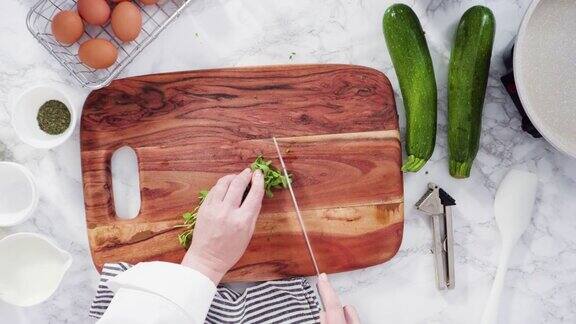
[[154, 19]]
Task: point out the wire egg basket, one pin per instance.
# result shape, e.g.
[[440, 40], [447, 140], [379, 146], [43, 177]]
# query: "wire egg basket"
[[155, 18]]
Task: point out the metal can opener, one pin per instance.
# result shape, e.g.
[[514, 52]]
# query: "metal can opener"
[[438, 204]]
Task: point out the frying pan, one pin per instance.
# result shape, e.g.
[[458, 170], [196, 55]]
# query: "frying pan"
[[545, 70]]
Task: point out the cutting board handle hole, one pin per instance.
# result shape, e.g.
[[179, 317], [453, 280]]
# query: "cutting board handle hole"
[[126, 183]]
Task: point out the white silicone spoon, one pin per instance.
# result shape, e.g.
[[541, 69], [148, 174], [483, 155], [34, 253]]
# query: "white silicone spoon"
[[512, 209]]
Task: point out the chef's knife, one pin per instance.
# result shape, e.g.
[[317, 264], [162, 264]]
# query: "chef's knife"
[[295, 203]]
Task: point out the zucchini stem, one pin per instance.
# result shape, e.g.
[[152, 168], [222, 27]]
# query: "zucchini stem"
[[459, 169], [414, 164]]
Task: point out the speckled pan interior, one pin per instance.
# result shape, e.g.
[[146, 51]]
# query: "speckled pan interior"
[[545, 70]]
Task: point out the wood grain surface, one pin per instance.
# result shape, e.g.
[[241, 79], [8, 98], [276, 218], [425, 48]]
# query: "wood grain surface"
[[337, 125]]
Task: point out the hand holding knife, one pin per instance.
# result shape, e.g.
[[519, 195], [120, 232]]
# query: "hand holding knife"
[[333, 312]]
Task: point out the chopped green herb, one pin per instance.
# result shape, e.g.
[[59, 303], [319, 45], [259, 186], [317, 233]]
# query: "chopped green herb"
[[53, 117], [292, 55], [273, 179]]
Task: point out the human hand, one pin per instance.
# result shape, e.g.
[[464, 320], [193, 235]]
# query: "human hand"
[[225, 224], [333, 312]]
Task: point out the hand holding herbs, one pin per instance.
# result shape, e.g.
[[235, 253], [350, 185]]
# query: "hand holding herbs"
[[225, 223], [273, 179]]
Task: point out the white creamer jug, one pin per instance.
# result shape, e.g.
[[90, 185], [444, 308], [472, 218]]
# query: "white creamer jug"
[[31, 268]]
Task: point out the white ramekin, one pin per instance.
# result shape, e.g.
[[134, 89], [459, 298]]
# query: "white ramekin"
[[25, 178], [25, 111]]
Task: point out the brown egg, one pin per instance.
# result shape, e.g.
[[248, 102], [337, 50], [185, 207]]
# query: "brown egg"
[[149, 2], [126, 21], [67, 27], [98, 53], [95, 12]]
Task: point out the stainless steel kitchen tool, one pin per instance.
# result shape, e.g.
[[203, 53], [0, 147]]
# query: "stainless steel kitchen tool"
[[438, 204], [155, 18], [295, 203]]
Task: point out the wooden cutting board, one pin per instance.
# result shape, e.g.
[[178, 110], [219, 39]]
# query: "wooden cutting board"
[[337, 124]]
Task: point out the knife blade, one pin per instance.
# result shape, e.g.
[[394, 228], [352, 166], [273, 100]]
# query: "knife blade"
[[295, 203]]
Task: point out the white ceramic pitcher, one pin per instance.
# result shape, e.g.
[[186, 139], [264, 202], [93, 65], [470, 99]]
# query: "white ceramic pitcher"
[[31, 268]]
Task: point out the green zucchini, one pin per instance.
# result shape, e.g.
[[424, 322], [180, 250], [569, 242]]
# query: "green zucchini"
[[467, 79], [413, 64]]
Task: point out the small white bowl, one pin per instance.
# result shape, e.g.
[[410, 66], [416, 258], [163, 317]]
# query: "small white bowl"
[[18, 194], [24, 115]]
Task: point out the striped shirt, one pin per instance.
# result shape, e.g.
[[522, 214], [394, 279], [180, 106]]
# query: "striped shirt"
[[282, 301]]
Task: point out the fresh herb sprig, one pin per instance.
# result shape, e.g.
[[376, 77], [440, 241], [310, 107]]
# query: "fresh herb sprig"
[[273, 179], [190, 217]]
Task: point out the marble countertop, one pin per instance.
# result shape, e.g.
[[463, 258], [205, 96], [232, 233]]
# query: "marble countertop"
[[541, 283]]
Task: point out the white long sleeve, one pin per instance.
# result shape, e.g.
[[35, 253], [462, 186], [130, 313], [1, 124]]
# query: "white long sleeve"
[[159, 293]]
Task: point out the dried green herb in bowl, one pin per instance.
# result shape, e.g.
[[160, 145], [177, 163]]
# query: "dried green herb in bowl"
[[273, 179], [53, 117]]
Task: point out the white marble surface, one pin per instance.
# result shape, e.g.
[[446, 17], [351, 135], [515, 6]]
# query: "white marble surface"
[[541, 284]]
